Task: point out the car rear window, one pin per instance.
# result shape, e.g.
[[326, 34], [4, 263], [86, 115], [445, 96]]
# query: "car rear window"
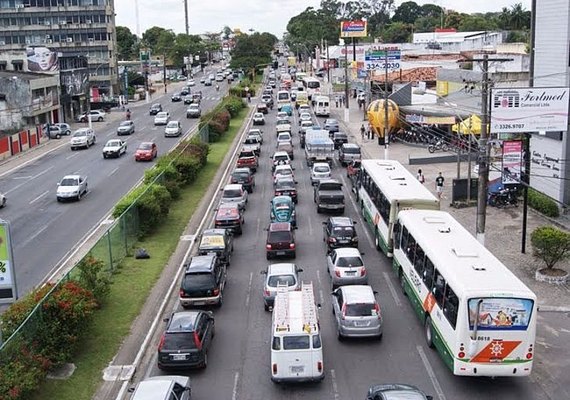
[[199, 281], [360, 310], [345, 262], [330, 186], [232, 193], [245, 154], [322, 168], [296, 342], [351, 150], [240, 175], [279, 236], [178, 341], [343, 230], [288, 280]]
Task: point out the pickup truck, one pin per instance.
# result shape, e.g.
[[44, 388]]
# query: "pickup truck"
[[328, 195], [318, 147]]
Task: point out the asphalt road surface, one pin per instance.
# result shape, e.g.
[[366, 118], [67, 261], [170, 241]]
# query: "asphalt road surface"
[[239, 359], [45, 231]]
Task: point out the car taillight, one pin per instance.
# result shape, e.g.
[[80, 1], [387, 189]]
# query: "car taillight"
[[268, 246], [182, 293], [343, 311], [377, 309], [337, 272], [197, 341], [274, 369], [362, 271], [320, 366], [292, 245], [216, 292], [332, 240], [265, 292], [161, 343], [354, 239]]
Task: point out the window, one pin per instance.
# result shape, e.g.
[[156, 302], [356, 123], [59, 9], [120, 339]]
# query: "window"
[[450, 306], [438, 288], [296, 342], [410, 249], [396, 236], [276, 345], [404, 239], [419, 260], [427, 275], [316, 341]]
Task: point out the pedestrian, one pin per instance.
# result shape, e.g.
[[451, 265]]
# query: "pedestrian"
[[336, 101], [248, 97], [362, 130], [439, 185], [368, 133], [341, 100], [421, 176]]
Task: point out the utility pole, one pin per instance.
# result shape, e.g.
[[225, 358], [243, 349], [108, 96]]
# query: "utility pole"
[[186, 17], [328, 60], [346, 113], [164, 70], [386, 127]]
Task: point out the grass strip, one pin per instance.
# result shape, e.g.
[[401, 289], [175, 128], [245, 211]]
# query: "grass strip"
[[133, 282]]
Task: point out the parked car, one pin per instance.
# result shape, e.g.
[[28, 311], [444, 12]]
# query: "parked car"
[[193, 111], [282, 209], [356, 312], [280, 240], [396, 391], [218, 241], [186, 340], [71, 187], [176, 97], [59, 129], [147, 151], [155, 109], [3, 200], [345, 267], [94, 115], [285, 186], [234, 193], [339, 232], [319, 171], [191, 82], [208, 82], [279, 274], [173, 129], [126, 128], [258, 119], [243, 176], [83, 137], [203, 79], [162, 118], [229, 216], [114, 148], [163, 387], [203, 282]]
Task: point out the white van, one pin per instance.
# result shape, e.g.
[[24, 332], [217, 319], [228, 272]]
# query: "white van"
[[322, 106], [296, 345], [283, 98]]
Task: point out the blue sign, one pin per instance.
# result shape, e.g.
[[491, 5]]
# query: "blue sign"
[[362, 73]]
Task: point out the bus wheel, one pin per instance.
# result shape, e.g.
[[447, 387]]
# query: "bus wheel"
[[377, 240], [428, 332], [402, 282]]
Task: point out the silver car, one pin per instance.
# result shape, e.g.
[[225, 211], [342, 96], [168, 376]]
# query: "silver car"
[[83, 137], [59, 129], [71, 187], [345, 267], [162, 118], [126, 128], [234, 193], [163, 387], [173, 128], [281, 274], [356, 311], [320, 170]]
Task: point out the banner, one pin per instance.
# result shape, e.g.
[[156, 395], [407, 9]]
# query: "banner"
[[41, 59], [512, 162], [351, 29], [525, 110]]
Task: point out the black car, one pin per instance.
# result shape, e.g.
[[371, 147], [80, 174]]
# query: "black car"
[[176, 97], [339, 232], [396, 391], [185, 91], [286, 187], [218, 241], [203, 282], [186, 340], [245, 177], [280, 240], [155, 109], [339, 138]]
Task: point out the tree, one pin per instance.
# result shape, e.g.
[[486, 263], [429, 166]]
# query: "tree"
[[476, 23], [426, 24], [126, 43], [519, 17], [227, 31], [550, 245], [151, 36], [308, 28], [397, 32], [407, 13], [252, 51], [454, 20]]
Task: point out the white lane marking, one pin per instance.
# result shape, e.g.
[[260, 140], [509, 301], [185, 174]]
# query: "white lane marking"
[[110, 134], [37, 234], [71, 156], [319, 281], [22, 177], [431, 374], [392, 289], [235, 389], [39, 197], [31, 160], [113, 171], [248, 296], [33, 177], [334, 385]]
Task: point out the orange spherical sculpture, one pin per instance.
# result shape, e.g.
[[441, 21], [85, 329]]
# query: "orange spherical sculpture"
[[376, 116]]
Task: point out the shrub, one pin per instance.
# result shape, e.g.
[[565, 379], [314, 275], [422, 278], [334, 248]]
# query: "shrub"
[[223, 117], [171, 178], [188, 167], [234, 104], [93, 278], [149, 214], [201, 149], [21, 374], [13, 317], [128, 200], [543, 204], [550, 245]]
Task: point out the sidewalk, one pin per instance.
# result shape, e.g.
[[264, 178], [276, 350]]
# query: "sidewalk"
[[503, 230]]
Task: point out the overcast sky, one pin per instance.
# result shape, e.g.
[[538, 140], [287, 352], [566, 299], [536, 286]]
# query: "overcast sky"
[[260, 15]]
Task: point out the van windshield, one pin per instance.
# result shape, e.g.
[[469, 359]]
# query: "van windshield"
[[300, 342]]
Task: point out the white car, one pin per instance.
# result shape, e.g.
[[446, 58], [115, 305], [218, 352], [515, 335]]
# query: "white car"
[[345, 267], [191, 82], [283, 125], [71, 187], [305, 117], [282, 115], [304, 108], [83, 137], [258, 119], [284, 137], [93, 115], [162, 118], [114, 148], [234, 193], [320, 170], [2, 200], [173, 128], [283, 171]]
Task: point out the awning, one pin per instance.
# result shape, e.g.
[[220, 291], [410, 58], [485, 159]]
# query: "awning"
[[471, 125]]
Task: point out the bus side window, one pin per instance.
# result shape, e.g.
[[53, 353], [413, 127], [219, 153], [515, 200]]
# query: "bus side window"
[[397, 230], [405, 239], [450, 306], [419, 260], [411, 248], [427, 275], [276, 343], [438, 288]]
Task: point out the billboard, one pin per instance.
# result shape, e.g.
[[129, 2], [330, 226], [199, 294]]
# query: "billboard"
[[351, 29], [521, 110], [8, 291], [512, 162], [75, 82], [41, 59]]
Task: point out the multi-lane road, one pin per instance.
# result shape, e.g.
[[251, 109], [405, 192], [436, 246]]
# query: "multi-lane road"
[[45, 231], [239, 359]]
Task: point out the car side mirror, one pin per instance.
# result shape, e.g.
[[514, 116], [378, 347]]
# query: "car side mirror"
[[57, 184], [354, 222], [296, 227], [324, 222], [165, 319], [362, 254], [293, 168], [263, 273], [296, 182], [131, 389], [319, 306], [299, 269]]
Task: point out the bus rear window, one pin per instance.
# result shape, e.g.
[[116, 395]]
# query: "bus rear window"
[[301, 342], [500, 313]]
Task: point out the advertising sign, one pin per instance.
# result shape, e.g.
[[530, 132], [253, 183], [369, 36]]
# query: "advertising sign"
[[520, 110], [350, 29], [379, 59], [75, 82], [8, 292], [41, 59], [512, 162]]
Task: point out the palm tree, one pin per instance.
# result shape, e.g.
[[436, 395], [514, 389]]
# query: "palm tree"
[[517, 16], [505, 18]]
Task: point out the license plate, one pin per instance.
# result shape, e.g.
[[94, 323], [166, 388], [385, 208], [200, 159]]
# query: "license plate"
[[361, 323], [179, 357], [286, 193], [280, 253], [297, 369], [350, 273], [199, 303]]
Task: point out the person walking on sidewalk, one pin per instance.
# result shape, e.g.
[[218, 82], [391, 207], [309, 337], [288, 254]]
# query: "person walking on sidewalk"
[[336, 101], [362, 130], [421, 176], [439, 185]]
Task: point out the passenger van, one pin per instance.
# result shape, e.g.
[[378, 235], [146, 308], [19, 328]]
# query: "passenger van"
[[322, 106], [296, 345], [282, 99]]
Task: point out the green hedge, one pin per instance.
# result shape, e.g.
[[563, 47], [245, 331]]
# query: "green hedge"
[[218, 120], [543, 204]]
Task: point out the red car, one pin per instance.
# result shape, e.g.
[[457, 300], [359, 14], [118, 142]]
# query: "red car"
[[247, 158], [147, 151]]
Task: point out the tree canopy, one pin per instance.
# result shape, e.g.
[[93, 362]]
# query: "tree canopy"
[[253, 50]]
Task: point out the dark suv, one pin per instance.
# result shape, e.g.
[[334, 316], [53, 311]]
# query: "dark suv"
[[245, 177], [280, 240], [203, 282], [186, 340], [339, 232]]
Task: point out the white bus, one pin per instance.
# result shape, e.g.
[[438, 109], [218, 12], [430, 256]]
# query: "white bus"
[[322, 106], [312, 86], [478, 315], [296, 346], [384, 187]]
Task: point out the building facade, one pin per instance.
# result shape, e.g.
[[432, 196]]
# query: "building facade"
[[46, 30]]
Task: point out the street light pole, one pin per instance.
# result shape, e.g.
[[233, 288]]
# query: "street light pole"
[[346, 113]]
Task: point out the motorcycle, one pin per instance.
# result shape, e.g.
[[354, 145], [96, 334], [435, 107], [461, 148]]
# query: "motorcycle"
[[439, 145], [503, 198]]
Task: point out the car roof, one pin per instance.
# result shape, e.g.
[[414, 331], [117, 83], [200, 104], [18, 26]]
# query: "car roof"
[[351, 145], [341, 221], [243, 169], [385, 389], [281, 269], [233, 186], [145, 143], [277, 199], [280, 153], [153, 389], [284, 166], [355, 294], [347, 252], [321, 164], [200, 263], [182, 321], [71, 177], [280, 226]]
